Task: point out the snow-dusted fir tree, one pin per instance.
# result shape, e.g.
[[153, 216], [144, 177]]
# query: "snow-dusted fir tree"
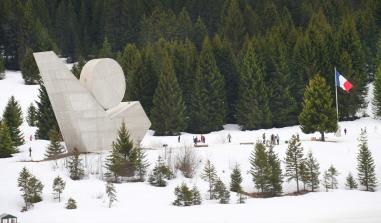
[[236, 179], [75, 166], [221, 192], [209, 174], [6, 146], [196, 200], [141, 164], [304, 174], [160, 173], [333, 173], [31, 117], [55, 148], [275, 177], [351, 182], [123, 143], [58, 187], [313, 171], [184, 196], [71, 204], [259, 167], [12, 116], [36, 188], [22, 182], [326, 180], [111, 193], [365, 164], [294, 157], [114, 164]]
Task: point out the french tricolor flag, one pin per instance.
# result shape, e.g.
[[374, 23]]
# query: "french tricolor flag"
[[342, 82]]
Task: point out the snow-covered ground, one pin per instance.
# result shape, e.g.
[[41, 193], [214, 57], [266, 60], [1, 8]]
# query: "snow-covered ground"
[[140, 202]]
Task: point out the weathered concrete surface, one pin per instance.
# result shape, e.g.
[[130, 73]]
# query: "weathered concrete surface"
[[80, 110]]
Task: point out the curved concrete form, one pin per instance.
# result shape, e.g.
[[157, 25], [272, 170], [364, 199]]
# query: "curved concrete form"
[[87, 120], [105, 80]]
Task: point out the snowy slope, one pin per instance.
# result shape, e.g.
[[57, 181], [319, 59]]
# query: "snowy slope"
[[140, 202]]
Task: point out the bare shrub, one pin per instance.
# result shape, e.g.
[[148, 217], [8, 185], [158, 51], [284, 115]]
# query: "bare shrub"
[[187, 161]]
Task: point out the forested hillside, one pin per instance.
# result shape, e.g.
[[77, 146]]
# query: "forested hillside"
[[222, 61]]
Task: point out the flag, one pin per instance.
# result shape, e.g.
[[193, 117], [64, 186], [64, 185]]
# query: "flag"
[[342, 82]]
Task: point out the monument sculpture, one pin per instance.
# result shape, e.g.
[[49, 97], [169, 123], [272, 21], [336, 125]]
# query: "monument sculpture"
[[89, 111]]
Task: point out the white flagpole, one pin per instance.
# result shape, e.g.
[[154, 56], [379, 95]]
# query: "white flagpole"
[[338, 133], [337, 104]]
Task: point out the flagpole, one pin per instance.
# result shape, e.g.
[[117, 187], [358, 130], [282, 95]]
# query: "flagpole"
[[337, 104]]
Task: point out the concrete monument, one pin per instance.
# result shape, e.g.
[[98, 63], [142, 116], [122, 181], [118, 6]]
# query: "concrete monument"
[[89, 111]]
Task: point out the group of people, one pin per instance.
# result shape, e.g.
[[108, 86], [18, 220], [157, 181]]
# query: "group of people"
[[274, 139], [197, 140]]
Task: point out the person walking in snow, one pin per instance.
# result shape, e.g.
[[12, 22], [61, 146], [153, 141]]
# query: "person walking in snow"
[[264, 138], [229, 137], [202, 139], [178, 139], [30, 151], [345, 131], [277, 139]]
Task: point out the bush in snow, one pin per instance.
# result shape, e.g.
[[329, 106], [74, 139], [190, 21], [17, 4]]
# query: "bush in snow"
[[186, 196], [160, 173], [187, 161], [351, 182], [236, 179], [71, 204], [111, 193], [220, 192]]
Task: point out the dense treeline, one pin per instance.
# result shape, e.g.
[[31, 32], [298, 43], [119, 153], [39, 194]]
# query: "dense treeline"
[[238, 61]]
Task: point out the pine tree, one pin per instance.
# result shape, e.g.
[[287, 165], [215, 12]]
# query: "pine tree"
[[220, 192], [141, 164], [259, 167], [22, 182], [351, 182], [105, 51], [114, 164], [71, 204], [12, 117], [236, 179], [55, 148], [2, 68], [304, 174], [365, 164], [31, 117], [199, 33], [29, 68], [159, 173], [184, 196], [35, 187], [209, 174], [111, 193], [46, 120], [333, 174], [58, 187], [130, 60], [318, 112], [377, 89], [124, 145], [233, 28], [274, 172], [6, 146], [294, 157], [208, 102], [197, 200], [253, 110], [75, 166], [313, 171], [168, 111], [326, 180]]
